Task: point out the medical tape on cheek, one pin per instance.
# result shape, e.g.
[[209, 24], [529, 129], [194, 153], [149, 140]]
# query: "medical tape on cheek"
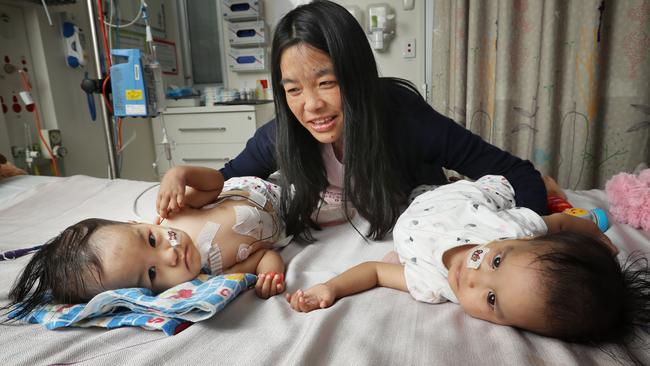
[[475, 258], [174, 237]]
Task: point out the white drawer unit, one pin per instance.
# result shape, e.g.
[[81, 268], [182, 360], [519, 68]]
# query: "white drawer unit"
[[206, 136]]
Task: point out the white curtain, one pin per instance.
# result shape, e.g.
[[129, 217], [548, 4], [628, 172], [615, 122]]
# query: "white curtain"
[[563, 83]]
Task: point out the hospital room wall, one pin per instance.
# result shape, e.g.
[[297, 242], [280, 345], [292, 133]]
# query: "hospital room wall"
[[409, 25], [63, 104]]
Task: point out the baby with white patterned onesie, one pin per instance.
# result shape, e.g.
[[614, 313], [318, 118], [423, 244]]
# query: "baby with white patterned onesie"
[[468, 243]]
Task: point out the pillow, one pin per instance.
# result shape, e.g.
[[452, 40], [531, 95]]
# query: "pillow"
[[170, 311]]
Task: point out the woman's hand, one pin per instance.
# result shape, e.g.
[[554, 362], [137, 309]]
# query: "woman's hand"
[[269, 284], [318, 297]]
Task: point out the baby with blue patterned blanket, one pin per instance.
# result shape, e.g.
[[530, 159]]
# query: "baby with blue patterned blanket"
[[235, 233]]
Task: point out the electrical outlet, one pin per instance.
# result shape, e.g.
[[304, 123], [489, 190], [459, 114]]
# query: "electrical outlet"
[[53, 140], [408, 49], [18, 152]]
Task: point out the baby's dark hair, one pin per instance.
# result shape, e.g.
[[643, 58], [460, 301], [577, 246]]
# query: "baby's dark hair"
[[590, 297], [58, 271]]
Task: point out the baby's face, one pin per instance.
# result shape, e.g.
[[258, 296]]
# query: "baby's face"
[[141, 255], [504, 289]]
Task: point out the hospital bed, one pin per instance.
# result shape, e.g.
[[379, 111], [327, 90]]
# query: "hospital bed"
[[377, 327]]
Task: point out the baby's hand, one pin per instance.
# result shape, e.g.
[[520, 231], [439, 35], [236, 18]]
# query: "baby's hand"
[[269, 284], [318, 297], [171, 196]]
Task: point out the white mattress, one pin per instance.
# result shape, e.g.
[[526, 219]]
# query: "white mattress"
[[378, 327]]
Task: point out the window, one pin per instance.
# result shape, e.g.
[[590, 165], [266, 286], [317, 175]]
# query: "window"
[[200, 32]]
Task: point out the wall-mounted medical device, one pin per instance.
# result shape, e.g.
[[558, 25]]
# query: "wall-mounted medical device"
[[52, 138], [381, 25], [245, 34], [247, 59], [73, 43], [237, 10], [137, 84]]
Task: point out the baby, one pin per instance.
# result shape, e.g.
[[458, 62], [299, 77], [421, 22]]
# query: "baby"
[[467, 243], [234, 234]]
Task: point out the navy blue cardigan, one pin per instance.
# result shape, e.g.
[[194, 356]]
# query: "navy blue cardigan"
[[424, 141]]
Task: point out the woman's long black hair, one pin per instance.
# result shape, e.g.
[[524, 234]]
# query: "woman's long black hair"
[[370, 177]]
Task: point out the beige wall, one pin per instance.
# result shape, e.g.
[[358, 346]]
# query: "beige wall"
[[63, 104], [409, 24]]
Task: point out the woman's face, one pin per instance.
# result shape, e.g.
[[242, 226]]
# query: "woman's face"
[[312, 92]]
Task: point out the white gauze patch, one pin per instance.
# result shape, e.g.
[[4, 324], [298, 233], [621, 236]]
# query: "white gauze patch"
[[204, 240], [475, 258], [253, 222]]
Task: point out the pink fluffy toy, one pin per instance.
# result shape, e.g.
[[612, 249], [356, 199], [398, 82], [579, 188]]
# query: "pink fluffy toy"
[[629, 198]]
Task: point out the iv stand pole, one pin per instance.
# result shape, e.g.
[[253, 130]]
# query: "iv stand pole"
[[110, 146]]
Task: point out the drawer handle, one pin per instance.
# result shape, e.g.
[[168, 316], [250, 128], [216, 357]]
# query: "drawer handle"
[[204, 160], [203, 129]]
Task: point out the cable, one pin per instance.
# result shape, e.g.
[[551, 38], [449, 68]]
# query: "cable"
[[104, 96], [47, 12], [106, 47], [137, 17], [135, 201], [17, 253], [119, 134]]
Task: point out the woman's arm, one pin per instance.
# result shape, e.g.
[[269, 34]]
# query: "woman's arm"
[[424, 134], [470, 155], [258, 158], [362, 277], [564, 222]]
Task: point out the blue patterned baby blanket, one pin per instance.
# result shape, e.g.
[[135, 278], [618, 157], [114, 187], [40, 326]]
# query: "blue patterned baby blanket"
[[170, 311]]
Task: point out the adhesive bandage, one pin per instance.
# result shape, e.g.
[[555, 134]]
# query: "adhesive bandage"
[[475, 258], [253, 222], [204, 240], [174, 237]]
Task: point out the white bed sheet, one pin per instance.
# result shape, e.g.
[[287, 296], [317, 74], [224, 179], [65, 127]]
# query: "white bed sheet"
[[378, 327]]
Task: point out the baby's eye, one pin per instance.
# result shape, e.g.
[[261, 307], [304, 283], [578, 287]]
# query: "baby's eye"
[[152, 273], [496, 261], [152, 240], [491, 298]]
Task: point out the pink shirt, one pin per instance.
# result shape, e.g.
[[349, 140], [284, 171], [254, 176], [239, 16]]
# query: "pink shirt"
[[331, 210]]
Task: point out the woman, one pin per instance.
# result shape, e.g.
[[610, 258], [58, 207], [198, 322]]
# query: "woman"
[[344, 137]]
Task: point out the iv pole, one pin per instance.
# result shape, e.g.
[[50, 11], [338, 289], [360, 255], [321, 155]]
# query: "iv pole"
[[108, 130]]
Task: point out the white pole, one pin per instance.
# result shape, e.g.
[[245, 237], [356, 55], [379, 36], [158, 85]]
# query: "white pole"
[[110, 146]]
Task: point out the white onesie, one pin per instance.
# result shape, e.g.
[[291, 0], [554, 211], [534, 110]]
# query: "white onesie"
[[456, 214]]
